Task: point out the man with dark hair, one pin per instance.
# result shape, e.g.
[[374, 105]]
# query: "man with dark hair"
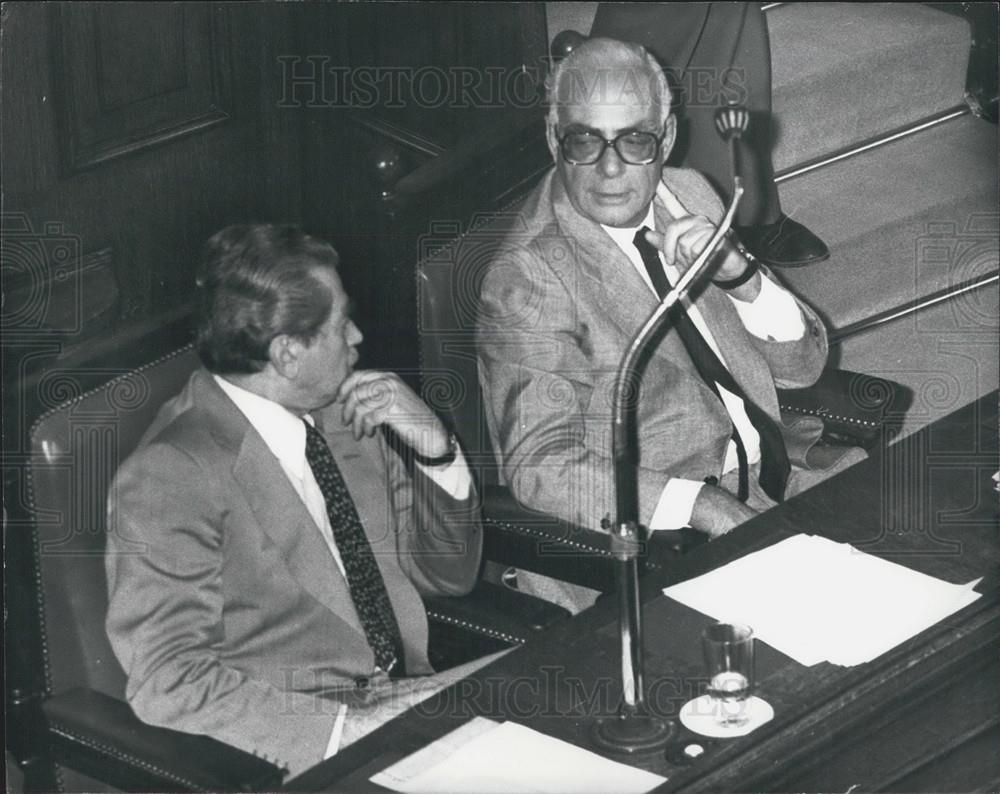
[[603, 236], [286, 543], [279, 265]]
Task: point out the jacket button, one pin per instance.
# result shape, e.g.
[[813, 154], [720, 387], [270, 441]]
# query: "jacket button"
[[711, 480]]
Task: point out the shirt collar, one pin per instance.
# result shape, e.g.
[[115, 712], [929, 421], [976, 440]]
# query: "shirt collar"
[[282, 431], [624, 237]]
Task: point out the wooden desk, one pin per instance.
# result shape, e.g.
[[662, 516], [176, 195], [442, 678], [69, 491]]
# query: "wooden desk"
[[924, 716]]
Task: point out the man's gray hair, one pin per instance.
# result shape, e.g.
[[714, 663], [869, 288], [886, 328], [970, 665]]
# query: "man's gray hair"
[[581, 77]]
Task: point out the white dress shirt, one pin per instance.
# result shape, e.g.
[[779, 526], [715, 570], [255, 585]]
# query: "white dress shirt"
[[773, 315], [285, 436]]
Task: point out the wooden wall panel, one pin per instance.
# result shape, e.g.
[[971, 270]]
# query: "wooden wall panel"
[[28, 132], [135, 75], [409, 85], [136, 217]]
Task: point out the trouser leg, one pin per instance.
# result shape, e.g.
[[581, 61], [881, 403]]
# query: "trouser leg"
[[732, 63]]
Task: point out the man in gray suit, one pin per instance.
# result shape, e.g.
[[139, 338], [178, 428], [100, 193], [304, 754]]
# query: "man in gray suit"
[[604, 235], [276, 602]]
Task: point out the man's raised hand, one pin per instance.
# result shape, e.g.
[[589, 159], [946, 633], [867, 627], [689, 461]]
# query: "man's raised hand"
[[370, 398]]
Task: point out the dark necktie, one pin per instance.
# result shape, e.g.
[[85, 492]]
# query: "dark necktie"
[[774, 465], [363, 576]]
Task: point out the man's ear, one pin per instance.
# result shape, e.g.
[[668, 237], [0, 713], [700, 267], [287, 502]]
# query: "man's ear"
[[669, 136], [283, 353]]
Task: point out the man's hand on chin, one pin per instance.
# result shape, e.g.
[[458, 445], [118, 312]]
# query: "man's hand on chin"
[[371, 398], [716, 511]]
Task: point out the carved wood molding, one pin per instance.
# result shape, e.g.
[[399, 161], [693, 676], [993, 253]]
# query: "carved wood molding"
[[138, 75]]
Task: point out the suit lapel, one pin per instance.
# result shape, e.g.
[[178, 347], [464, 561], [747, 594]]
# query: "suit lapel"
[[365, 473], [277, 507], [605, 272], [284, 518], [742, 359], [615, 286]]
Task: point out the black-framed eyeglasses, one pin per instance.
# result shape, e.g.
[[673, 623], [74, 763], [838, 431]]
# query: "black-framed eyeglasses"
[[634, 148]]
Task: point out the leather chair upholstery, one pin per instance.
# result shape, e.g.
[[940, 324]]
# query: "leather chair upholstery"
[[81, 718], [853, 406]]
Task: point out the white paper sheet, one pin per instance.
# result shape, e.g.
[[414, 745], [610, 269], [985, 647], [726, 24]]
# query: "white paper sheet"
[[511, 759], [817, 600]]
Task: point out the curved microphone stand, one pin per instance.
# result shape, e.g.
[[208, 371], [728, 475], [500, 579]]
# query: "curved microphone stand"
[[634, 730]]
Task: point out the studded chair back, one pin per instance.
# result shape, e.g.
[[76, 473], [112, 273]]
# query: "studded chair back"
[[75, 450], [448, 286]]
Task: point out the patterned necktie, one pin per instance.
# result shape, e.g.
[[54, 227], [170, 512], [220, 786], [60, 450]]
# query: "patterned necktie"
[[774, 465], [363, 576]]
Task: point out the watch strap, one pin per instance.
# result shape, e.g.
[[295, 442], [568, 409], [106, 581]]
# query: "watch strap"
[[441, 460], [753, 265]]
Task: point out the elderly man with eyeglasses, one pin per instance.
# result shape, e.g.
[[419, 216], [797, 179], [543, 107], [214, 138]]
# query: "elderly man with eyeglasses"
[[605, 234]]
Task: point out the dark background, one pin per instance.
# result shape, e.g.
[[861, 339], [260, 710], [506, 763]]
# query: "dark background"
[[133, 131]]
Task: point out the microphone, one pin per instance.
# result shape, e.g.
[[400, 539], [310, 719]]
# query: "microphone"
[[634, 730], [731, 122]]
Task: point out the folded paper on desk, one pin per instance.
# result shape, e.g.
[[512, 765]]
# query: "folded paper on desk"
[[817, 600], [508, 758]]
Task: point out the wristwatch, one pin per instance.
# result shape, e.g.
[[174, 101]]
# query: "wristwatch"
[[753, 265], [441, 460]]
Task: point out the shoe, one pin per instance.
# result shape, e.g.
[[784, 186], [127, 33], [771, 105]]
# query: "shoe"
[[785, 243]]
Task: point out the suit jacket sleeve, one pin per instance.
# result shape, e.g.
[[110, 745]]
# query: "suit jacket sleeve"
[[799, 362], [165, 618], [440, 537], [540, 388], [794, 364]]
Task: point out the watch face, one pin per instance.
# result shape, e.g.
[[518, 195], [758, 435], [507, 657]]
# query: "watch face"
[[449, 456]]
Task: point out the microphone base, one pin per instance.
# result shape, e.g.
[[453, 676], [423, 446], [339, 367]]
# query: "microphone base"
[[631, 734]]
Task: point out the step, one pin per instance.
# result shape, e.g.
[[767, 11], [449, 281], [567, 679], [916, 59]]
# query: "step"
[[946, 355], [902, 221], [843, 73]]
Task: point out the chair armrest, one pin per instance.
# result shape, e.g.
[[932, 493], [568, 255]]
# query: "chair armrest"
[[852, 405], [490, 618], [517, 536], [101, 737]]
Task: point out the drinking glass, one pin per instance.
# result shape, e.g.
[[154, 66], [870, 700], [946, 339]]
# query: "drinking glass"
[[728, 650]]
